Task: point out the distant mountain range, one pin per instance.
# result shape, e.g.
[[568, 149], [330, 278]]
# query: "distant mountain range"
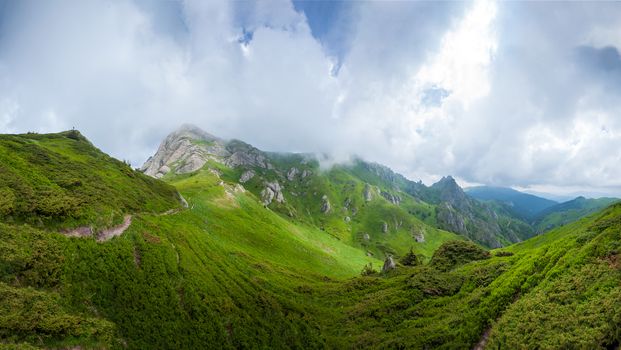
[[541, 213], [523, 205]]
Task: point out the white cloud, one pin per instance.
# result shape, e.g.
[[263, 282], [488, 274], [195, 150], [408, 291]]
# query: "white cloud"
[[489, 92]]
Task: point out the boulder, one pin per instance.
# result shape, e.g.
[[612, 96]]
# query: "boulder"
[[272, 192], [246, 176], [367, 193], [325, 205], [292, 173], [389, 264]]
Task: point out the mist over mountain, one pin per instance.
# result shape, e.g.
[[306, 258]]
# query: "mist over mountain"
[[295, 174]]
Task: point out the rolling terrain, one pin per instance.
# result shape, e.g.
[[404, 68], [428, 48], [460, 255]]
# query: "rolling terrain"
[[540, 213], [238, 250]]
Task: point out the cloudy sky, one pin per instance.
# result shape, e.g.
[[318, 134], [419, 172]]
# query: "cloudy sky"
[[523, 94]]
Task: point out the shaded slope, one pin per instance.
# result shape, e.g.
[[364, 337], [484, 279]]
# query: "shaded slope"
[[570, 211], [523, 205]]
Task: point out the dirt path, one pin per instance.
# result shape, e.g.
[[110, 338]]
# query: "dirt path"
[[106, 234], [481, 344]]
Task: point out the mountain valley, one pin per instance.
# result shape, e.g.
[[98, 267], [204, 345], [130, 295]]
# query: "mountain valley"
[[232, 247]]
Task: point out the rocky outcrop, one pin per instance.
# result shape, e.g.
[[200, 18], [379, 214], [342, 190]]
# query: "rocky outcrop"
[[246, 176], [184, 151], [367, 193], [450, 220], [272, 192], [325, 205], [384, 227], [242, 154], [389, 264], [292, 173], [347, 203], [189, 148], [394, 199], [418, 235]]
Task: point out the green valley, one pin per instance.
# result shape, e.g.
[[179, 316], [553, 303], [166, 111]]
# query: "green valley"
[[237, 248]]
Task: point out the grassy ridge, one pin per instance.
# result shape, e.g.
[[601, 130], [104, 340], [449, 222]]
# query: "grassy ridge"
[[61, 180]]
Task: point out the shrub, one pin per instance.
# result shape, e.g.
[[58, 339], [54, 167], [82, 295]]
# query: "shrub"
[[410, 259], [368, 270], [455, 253]]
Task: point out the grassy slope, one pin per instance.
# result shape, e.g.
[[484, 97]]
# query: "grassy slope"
[[229, 272], [558, 290], [61, 180], [570, 211], [341, 185]]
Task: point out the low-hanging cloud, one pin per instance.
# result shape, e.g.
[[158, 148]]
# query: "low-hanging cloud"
[[516, 94]]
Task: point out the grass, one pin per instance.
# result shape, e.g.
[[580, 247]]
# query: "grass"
[[229, 273], [61, 180]]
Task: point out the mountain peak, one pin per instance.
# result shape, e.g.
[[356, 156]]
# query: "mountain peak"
[[192, 132], [188, 149], [446, 182], [184, 150]]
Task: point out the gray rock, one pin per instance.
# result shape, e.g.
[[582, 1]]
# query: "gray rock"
[[389, 264], [246, 176], [418, 234], [189, 148], [367, 193], [291, 174], [347, 203], [325, 205], [420, 238], [184, 203], [306, 173], [183, 151], [347, 219], [394, 199], [366, 236], [272, 192], [384, 227]]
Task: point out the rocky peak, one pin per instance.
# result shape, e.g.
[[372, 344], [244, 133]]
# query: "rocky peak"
[[188, 148], [450, 192]]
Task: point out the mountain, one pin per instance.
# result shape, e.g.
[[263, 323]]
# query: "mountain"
[[522, 205], [207, 262], [566, 212], [359, 203]]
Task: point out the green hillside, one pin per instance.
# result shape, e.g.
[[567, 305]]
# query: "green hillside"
[[230, 271], [62, 180], [570, 211]]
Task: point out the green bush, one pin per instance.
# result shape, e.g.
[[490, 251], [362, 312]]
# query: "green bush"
[[456, 253]]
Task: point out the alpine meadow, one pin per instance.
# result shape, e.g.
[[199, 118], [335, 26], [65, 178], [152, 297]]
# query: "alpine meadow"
[[295, 174]]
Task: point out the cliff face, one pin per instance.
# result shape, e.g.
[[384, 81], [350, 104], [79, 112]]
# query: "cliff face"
[[189, 148]]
